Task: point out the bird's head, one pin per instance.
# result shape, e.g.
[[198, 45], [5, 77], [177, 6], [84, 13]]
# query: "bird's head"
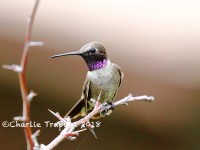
[[94, 54]]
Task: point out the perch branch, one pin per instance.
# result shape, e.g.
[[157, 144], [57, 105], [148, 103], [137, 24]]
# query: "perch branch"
[[69, 127], [21, 70]]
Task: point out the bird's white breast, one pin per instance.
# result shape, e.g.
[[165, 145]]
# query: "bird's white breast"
[[101, 76]]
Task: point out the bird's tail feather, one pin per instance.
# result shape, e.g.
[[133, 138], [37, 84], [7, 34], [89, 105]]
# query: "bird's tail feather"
[[75, 111]]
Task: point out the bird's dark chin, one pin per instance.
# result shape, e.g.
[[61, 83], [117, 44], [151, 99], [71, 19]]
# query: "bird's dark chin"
[[93, 58]]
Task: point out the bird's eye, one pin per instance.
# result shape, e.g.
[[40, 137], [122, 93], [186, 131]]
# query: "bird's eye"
[[93, 50]]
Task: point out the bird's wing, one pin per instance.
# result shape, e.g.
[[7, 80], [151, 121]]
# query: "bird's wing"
[[80, 108], [121, 75]]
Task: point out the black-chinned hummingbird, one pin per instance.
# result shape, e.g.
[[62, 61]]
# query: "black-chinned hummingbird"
[[103, 76]]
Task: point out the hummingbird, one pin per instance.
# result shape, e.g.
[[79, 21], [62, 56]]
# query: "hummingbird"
[[103, 77]]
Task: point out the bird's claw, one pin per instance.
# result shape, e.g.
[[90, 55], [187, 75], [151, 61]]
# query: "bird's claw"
[[106, 109]]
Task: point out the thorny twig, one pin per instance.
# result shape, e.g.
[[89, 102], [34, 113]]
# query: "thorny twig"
[[68, 131], [21, 70]]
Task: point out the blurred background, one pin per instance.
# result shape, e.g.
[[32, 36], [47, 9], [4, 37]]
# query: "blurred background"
[[155, 42]]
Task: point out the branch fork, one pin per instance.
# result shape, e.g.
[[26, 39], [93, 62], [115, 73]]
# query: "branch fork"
[[69, 133]]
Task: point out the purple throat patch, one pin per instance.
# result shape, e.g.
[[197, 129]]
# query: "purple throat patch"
[[97, 65]]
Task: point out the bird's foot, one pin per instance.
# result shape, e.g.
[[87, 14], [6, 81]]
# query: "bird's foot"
[[106, 109]]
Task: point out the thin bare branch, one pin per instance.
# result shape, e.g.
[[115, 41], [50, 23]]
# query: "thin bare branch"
[[22, 79], [13, 67], [34, 43], [21, 70], [69, 133], [130, 98]]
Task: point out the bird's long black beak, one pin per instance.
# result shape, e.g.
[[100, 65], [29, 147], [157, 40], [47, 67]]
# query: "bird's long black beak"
[[66, 54]]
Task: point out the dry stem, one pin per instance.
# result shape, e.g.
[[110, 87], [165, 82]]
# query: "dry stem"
[[21, 70], [68, 131]]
